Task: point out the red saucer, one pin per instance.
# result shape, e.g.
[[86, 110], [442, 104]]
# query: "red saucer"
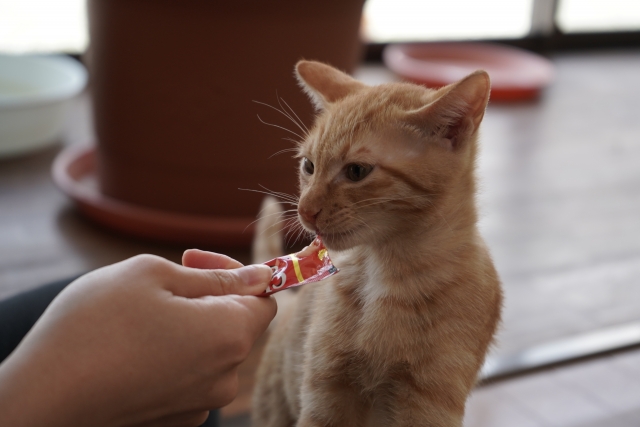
[[516, 74], [74, 172]]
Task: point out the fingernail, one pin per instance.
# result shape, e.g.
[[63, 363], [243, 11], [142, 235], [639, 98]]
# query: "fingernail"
[[253, 275]]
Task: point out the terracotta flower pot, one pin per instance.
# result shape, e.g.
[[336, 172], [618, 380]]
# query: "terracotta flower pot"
[[173, 83]]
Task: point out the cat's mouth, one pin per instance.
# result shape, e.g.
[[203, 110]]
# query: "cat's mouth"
[[339, 240]]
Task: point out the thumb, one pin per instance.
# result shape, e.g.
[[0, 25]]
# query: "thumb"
[[196, 283]]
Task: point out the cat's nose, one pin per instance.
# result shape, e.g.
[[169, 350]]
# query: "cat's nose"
[[310, 216]]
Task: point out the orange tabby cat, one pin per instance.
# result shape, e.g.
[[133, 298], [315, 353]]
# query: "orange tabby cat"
[[397, 337]]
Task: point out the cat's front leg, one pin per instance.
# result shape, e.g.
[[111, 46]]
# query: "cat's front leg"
[[327, 402], [426, 407], [424, 416]]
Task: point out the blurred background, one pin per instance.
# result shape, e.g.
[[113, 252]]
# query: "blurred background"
[[61, 25], [559, 168]]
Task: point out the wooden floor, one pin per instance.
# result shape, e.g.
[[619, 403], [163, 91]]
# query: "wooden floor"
[[560, 205], [603, 392], [561, 200]]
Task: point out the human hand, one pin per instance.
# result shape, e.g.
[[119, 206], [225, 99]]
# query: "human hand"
[[141, 342]]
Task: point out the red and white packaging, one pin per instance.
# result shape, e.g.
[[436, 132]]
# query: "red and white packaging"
[[311, 264]]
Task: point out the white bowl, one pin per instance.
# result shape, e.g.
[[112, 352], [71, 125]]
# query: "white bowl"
[[35, 93]]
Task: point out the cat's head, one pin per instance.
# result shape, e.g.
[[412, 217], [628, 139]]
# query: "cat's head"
[[382, 161]]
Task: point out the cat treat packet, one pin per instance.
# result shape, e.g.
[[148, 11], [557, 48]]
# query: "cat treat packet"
[[311, 264]]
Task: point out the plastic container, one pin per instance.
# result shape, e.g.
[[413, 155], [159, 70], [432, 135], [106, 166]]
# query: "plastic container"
[[35, 91], [515, 74]]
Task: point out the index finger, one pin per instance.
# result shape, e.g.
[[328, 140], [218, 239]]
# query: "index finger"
[[195, 258], [195, 283]]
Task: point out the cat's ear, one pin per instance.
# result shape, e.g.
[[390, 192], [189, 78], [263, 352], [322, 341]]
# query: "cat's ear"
[[457, 111], [324, 84]]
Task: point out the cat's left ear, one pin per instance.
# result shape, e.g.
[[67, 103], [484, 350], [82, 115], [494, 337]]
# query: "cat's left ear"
[[457, 111], [325, 84]]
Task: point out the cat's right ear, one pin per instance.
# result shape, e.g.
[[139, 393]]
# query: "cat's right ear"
[[325, 84]]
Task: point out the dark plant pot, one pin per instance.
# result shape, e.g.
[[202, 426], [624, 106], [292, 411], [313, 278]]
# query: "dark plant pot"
[[173, 83]]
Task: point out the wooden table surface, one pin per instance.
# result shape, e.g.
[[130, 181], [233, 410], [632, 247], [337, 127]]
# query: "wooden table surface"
[[560, 202]]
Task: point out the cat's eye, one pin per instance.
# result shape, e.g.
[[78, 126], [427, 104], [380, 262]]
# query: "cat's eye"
[[356, 172], [307, 166]]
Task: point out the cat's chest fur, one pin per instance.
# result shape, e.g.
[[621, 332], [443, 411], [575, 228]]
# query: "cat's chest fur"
[[371, 321]]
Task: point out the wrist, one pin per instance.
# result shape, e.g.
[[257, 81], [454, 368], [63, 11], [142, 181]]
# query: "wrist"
[[27, 395]]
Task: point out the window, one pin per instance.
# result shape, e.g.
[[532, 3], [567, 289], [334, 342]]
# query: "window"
[[583, 16], [412, 20], [43, 26]]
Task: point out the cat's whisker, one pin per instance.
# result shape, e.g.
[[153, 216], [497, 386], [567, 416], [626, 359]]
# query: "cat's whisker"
[[283, 213], [285, 226], [284, 113], [283, 203], [392, 198], [298, 122], [288, 238], [288, 217], [378, 201], [297, 227], [282, 195], [277, 202], [280, 127], [299, 231], [288, 221], [293, 202], [374, 199], [303, 235], [279, 110], [383, 202], [298, 143], [294, 113], [283, 151], [289, 234], [362, 221]]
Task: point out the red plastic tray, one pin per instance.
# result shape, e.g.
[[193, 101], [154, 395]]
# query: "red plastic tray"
[[515, 74]]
